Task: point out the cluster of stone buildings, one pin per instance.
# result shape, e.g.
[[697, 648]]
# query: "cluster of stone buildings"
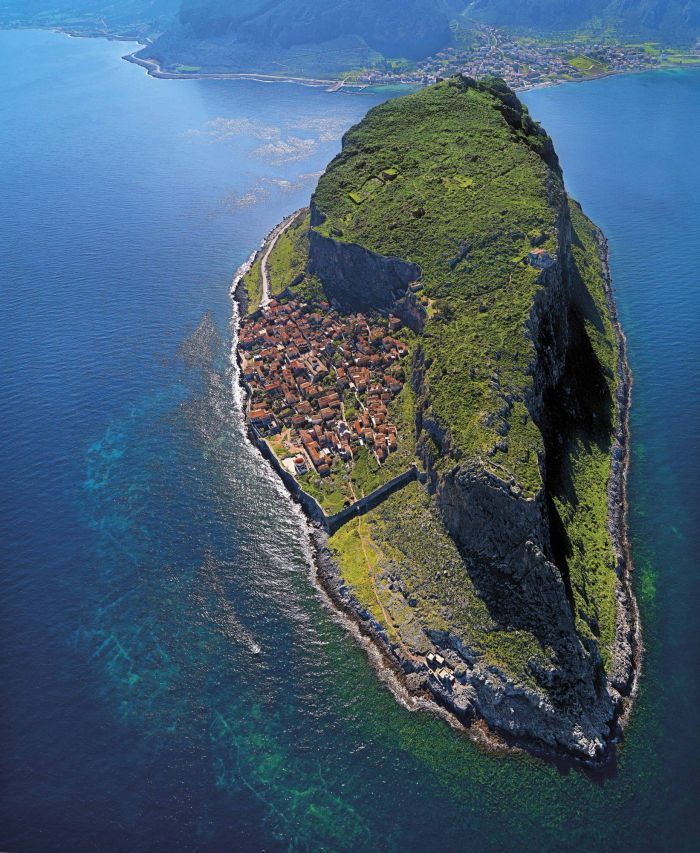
[[521, 63], [322, 380], [440, 669], [524, 64]]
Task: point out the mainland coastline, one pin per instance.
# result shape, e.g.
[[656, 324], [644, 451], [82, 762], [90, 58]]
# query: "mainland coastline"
[[154, 69], [332, 84]]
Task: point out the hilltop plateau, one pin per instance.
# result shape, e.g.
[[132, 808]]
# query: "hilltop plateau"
[[443, 312]]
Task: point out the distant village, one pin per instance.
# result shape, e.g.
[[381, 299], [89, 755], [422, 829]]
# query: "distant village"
[[322, 381], [523, 64]]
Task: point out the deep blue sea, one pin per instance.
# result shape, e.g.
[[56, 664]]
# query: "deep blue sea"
[[170, 679]]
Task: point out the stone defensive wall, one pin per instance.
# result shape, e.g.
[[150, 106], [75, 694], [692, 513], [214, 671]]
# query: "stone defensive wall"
[[311, 506], [373, 499]]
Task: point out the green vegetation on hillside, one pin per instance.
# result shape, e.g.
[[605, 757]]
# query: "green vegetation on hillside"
[[285, 267], [252, 281], [302, 38], [288, 259], [580, 490], [466, 205], [588, 65], [477, 186]]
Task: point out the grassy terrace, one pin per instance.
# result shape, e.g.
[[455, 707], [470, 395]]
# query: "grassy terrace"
[[288, 258], [406, 571], [253, 284], [465, 204], [287, 263], [588, 65]]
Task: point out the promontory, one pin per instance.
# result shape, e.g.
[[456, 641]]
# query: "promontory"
[[435, 369]]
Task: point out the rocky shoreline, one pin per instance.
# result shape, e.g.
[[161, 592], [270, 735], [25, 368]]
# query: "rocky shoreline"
[[411, 686], [628, 651]]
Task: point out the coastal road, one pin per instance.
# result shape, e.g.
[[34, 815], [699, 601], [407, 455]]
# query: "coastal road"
[[272, 240], [153, 69]]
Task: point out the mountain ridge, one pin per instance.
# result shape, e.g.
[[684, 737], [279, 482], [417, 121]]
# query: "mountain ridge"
[[415, 29], [673, 19], [305, 38], [340, 36]]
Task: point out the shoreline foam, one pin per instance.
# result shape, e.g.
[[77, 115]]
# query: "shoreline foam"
[[618, 498]]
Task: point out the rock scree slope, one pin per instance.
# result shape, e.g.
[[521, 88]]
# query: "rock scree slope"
[[447, 208]]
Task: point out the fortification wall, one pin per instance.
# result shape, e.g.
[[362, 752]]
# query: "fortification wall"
[[310, 505], [313, 508], [363, 505]]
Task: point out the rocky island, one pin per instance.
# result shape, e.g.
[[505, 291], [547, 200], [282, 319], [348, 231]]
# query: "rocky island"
[[435, 369]]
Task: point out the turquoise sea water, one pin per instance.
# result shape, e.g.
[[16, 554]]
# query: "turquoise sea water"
[[170, 678]]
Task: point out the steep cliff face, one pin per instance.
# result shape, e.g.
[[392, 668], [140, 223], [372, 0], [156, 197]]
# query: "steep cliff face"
[[509, 541], [357, 279], [487, 513]]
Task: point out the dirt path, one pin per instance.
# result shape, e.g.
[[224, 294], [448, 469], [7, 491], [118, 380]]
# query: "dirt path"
[[274, 237], [364, 544]]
